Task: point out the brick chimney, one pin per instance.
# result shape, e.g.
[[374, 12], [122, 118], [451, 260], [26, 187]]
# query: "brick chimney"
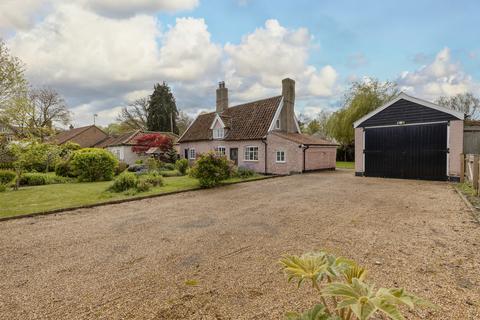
[[222, 97], [288, 112]]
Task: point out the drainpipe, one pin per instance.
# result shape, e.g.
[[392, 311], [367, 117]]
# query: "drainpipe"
[[304, 147], [264, 140]]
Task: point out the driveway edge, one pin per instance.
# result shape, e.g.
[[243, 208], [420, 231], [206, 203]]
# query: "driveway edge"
[[475, 211], [106, 203]]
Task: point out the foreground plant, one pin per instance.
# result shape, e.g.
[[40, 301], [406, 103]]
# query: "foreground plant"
[[341, 282]]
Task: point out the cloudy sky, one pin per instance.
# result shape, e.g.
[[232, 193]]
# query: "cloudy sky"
[[101, 54]]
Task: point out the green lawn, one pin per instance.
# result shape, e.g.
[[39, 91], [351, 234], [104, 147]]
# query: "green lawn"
[[345, 165], [61, 196]]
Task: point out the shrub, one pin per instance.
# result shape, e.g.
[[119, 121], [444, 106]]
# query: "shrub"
[[153, 164], [7, 165], [137, 168], [154, 178], [39, 179], [139, 161], [6, 176], [244, 173], [168, 166], [342, 282], [123, 182], [64, 169], [3, 188], [143, 185], [210, 169], [122, 166], [93, 164], [182, 165]]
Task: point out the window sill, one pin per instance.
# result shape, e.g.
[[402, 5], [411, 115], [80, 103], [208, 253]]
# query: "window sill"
[[250, 160], [280, 161]]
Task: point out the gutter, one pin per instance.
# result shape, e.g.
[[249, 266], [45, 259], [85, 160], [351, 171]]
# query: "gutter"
[[304, 148], [264, 141]]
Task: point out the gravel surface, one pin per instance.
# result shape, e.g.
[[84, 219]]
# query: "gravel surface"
[[212, 254]]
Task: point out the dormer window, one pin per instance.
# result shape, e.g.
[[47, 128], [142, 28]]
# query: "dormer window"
[[277, 124], [218, 133]]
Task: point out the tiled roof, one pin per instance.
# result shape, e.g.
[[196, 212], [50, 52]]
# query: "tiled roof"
[[87, 136], [304, 139], [67, 135], [129, 138], [249, 121]]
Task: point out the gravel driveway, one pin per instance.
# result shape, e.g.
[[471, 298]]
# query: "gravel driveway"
[[132, 260]]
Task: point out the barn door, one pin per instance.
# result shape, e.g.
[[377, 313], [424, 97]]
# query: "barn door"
[[409, 152]]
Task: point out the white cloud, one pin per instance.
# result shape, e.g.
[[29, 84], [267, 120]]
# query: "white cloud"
[[441, 77], [187, 53], [19, 14], [100, 63], [15, 14], [271, 53], [128, 8]]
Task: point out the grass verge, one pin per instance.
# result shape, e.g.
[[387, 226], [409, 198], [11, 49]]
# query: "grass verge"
[[31, 200], [345, 165]]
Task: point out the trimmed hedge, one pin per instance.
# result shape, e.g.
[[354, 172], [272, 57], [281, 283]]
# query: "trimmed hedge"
[[64, 169], [39, 179], [93, 164], [7, 176]]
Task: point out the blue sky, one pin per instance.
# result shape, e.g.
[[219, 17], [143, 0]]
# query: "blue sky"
[[101, 55]]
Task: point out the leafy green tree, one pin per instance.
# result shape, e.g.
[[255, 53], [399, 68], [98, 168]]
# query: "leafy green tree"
[[361, 98], [464, 102], [12, 79], [162, 110]]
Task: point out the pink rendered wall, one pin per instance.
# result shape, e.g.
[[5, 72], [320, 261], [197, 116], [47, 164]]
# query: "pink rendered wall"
[[359, 149], [455, 142]]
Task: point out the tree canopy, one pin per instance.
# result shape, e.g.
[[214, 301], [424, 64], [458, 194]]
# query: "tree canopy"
[[162, 110], [361, 98], [12, 80], [466, 103]]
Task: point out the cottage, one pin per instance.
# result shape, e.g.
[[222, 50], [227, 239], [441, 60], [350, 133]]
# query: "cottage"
[[262, 135], [409, 138]]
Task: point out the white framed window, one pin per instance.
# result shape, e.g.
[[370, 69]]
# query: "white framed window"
[[277, 124], [251, 154], [192, 154], [220, 150], [218, 133], [281, 156]]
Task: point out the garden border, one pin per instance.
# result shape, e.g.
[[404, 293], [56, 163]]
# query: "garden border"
[[93, 205]]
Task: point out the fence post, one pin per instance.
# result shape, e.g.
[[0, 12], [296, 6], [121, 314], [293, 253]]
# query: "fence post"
[[475, 167], [462, 167]]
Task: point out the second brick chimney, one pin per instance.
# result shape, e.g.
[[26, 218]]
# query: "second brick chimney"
[[222, 97], [288, 112]]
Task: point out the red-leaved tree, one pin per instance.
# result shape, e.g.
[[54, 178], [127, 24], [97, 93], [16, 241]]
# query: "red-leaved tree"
[[152, 140]]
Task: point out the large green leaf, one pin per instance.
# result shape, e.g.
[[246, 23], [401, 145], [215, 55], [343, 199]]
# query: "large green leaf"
[[316, 313]]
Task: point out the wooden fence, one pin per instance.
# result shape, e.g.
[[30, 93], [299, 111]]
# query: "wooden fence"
[[470, 170]]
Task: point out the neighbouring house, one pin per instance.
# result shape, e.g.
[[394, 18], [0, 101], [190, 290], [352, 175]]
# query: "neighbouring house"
[[86, 137], [123, 146], [261, 135], [409, 138]]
